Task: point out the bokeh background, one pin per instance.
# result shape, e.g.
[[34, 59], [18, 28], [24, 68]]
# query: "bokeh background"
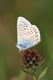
[[38, 12]]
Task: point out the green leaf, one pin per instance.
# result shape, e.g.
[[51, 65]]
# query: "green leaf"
[[27, 71], [43, 72], [41, 62]]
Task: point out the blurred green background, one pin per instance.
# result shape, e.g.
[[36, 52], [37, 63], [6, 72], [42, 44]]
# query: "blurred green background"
[[38, 12]]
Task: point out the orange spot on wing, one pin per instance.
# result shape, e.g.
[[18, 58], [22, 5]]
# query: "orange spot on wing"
[[36, 32], [36, 35]]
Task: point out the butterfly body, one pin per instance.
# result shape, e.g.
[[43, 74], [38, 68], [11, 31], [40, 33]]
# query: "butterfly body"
[[27, 35]]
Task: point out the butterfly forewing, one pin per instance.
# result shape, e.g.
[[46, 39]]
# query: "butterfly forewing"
[[22, 27]]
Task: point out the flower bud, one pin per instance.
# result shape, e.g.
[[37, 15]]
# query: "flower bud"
[[31, 59]]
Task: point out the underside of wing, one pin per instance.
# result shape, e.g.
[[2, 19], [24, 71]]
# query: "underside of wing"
[[35, 34], [27, 35], [22, 26]]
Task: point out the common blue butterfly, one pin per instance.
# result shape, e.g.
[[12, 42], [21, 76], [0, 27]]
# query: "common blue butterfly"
[[28, 35]]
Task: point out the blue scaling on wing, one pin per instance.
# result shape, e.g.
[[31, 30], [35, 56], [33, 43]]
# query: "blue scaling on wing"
[[24, 44]]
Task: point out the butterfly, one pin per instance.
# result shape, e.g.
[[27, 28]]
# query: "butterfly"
[[28, 35]]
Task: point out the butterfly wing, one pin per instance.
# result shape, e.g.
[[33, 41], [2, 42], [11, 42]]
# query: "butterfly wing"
[[35, 35], [22, 27], [27, 35]]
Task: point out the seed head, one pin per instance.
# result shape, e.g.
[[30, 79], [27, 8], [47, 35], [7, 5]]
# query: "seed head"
[[31, 59]]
